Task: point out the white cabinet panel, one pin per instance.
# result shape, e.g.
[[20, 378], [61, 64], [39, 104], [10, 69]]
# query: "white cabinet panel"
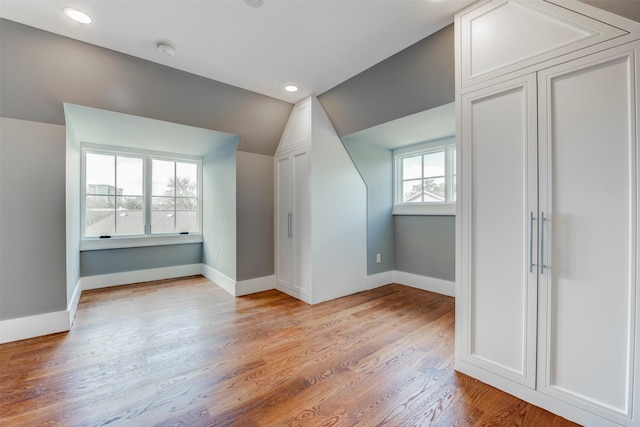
[[300, 221], [503, 36], [292, 220], [499, 151], [589, 155], [283, 220]]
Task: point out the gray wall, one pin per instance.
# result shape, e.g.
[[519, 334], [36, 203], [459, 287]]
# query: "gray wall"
[[41, 70], [130, 259], [629, 9], [416, 79], [425, 245], [375, 167], [254, 226], [32, 219], [38, 72]]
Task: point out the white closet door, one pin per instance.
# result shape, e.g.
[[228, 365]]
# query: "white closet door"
[[588, 142], [499, 175], [283, 232], [301, 229]]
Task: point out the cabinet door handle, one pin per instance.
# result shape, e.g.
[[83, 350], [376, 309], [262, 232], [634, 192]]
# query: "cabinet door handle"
[[531, 264], [289, 217], [542, 221]]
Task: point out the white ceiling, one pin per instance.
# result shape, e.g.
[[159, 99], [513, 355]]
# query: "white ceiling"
[[315, 44]]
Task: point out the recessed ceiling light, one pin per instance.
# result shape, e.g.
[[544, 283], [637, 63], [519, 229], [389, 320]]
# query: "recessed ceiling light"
[[166, 49], [291, 88], [77, 15]]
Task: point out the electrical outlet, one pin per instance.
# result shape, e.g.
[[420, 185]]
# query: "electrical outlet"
[[378, 258]]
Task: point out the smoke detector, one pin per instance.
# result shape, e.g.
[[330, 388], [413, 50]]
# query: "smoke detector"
[[254, 3], [166, 49]]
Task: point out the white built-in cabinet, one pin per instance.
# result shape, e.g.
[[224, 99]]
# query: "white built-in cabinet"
[[320, 210], [547, 232], [292, 214]]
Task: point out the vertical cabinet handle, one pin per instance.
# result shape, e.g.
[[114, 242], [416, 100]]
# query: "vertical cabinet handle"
[[289, 216], [531, 264], [542, 220]]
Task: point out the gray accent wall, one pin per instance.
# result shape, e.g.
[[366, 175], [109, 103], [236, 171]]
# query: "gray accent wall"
[[32, 218], [629, 9], [41, 70], [415, 79], [131, 259], [425, 245], [254, 227]]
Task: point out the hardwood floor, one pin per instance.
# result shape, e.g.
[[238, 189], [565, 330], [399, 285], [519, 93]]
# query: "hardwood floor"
[[185, 353]]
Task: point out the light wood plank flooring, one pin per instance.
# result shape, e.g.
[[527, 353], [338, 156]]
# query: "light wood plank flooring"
[[185, 353]]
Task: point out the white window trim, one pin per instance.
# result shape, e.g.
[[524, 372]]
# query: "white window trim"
[[399, 208], [141, 240]]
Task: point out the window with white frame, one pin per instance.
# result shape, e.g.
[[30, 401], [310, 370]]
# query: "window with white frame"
[[133, 195], [425, 178]]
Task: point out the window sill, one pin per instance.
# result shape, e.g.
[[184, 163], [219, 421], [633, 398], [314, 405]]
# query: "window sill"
[[138, 242], [425, 209]]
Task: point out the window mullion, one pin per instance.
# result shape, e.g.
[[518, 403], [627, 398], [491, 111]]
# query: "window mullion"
[[175, 194], [115, 195], [147, 194], [422, 180]]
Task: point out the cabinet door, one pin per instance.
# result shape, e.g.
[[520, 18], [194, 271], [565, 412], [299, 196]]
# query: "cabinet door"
[[497, 327], [283, 212], [300, 225], [504, 36], [589, 185]]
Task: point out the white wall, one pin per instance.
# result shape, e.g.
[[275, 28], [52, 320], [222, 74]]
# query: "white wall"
[[72, 196], [339, 214], [219, 210]]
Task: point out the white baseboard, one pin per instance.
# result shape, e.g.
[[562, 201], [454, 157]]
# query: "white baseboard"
[[128, 277], [252, 286], [380, 279], [34, 326], [61, 321], [219, 279], [431, 284], [73, 304]]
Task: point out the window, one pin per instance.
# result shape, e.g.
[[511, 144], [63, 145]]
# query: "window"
[[425, 179], [130, 196]]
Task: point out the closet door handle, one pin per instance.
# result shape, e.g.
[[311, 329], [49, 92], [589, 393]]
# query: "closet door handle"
[[531, 264], [289, 216], [542, 220]]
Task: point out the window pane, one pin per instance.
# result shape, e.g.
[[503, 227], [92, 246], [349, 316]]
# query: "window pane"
[[129, 176], [412, 191], [163, 174], [412, 167], [434, 191], [100, 174], [186, 221], [162, 221], [186, 180], [187, 214], [162, 215], [129, 218], [100, 215], [434, 164]]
